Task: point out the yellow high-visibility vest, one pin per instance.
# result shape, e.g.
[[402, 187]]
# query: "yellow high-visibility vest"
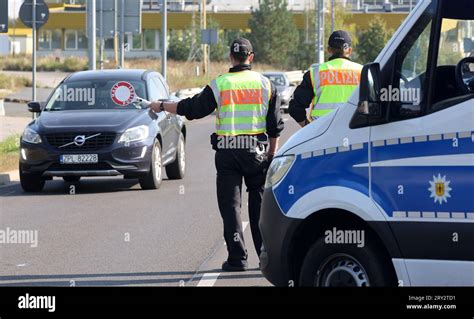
[[333, 84], [242, 100]]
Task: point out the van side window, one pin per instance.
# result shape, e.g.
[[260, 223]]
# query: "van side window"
[[456, 43], [409, 90]]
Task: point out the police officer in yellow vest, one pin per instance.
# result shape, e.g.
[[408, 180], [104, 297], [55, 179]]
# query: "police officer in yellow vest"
[[248, 126], [328, 85]]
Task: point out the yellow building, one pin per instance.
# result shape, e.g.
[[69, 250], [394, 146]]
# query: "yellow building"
[[65, 31]]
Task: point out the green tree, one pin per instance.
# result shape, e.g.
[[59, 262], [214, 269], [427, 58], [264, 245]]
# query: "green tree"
[[305, 53], [180, 44], [372, 40], [273, 33], [186, 44], [220, 51]]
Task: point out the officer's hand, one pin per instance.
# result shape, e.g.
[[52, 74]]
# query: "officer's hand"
[[141, 102], [156, 106]]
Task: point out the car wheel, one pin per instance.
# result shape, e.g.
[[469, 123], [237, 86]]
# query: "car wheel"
[[177, 169], [344, 265], [31, 182], [153, 179], [71, 179]]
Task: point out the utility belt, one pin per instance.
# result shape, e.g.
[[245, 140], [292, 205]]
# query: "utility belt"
[[253, 143]]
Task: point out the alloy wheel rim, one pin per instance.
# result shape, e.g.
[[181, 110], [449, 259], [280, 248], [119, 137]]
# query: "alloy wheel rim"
[[342, 271]]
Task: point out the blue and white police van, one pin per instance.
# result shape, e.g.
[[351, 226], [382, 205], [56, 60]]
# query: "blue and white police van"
[[380, 192]]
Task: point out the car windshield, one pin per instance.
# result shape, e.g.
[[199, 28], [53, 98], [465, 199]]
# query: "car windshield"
[[90, 95], [277, 79]]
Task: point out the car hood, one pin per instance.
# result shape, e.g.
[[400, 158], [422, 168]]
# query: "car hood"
[[103, 120], [310, 131]]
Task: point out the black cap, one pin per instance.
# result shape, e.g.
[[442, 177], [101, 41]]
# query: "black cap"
[[340, 39], [241, 47]]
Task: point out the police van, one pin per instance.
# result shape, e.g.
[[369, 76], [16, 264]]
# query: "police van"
[[380, 192]]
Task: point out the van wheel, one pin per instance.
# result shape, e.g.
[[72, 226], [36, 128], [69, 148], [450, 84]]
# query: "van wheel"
[[71, 179], [153, 179], [31, 183], [177, 169], [344, 265]]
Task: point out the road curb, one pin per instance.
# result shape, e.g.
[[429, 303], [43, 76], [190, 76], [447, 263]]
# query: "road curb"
[[15, 100], [4, 179], [8, 178]]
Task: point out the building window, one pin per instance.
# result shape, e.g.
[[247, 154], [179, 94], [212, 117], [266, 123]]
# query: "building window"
[[81, 40], [56, 36], [44, 41], [70, 41], [109, 44], [137, 42], [134, 42], [150, 38], [49, 39]]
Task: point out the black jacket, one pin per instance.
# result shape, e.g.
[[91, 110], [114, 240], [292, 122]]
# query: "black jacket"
[[204, 104]]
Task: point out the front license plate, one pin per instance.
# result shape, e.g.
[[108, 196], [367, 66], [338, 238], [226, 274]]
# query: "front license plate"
[[79, 159]]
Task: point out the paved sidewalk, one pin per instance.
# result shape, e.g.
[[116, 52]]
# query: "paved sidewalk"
[[12, 125]]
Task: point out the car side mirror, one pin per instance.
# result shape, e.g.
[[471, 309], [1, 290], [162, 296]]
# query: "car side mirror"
[[369, 91], [35, 107]]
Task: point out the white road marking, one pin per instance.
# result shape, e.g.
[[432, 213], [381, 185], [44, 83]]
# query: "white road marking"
[[209, 279], [21, 265]]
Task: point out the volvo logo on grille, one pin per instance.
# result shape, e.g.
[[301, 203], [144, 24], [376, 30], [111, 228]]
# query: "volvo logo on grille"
[[79, 140]]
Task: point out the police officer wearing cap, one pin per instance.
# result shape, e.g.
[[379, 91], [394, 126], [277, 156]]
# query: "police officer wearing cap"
[[328, 85], [248, 125]]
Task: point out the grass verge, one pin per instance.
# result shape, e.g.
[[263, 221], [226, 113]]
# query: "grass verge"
[[23, 63], [9, 149]]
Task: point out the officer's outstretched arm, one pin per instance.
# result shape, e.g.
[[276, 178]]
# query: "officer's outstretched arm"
[[171, 107]]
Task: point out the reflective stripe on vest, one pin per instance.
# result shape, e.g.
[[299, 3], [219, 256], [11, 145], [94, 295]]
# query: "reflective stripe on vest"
[[333, 84], [243, 99]]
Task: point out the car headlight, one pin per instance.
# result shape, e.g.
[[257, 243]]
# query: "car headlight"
[[31, 136], [135, 134], [277, 170]]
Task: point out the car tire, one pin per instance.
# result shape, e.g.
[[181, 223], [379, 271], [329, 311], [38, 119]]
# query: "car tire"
[[72, 179], [344, 265], [153, 179], [31, 183], [177, 169]]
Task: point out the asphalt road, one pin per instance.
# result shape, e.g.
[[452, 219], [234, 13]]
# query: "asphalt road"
[[110, 232]]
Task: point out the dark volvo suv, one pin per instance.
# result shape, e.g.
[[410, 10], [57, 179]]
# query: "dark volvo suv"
[[81, 131]]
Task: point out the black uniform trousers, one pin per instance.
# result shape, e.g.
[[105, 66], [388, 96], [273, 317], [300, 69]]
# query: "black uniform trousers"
[[232, 166]]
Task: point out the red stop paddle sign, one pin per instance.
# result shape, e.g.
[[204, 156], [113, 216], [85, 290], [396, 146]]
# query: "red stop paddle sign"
[[122, 93]]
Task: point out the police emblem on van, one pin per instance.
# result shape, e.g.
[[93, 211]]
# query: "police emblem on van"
[[440, 189]]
